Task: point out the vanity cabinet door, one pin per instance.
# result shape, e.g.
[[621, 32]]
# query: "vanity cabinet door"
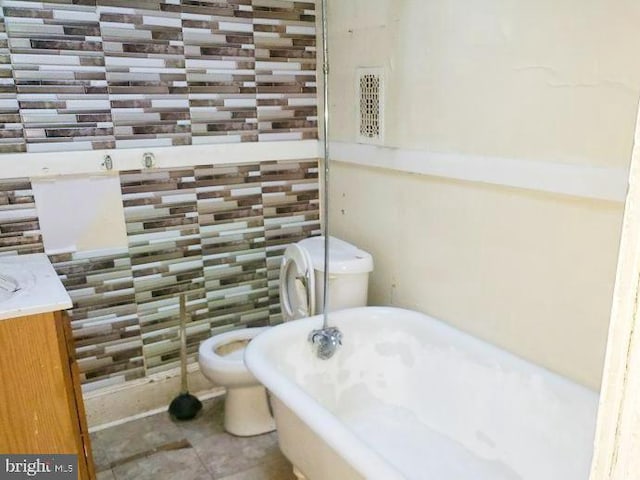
[[41, 410]]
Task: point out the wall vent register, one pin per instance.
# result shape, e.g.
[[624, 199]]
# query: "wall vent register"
[[370, 118]]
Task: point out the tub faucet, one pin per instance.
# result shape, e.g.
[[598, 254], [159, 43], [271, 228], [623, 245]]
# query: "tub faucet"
[[325, 341]]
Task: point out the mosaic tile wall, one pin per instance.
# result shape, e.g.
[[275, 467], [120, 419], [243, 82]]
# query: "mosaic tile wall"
[[233, 244], [104, 317], [58, 66], [19, 226], [214, 233], [285, 69], [166, 259], [11, 134], [93, 74], [291, 213]]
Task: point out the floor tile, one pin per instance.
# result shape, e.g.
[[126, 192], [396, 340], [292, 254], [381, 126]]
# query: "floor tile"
[[182, 464], [100, 459], [279, 468], [209, 422], [158, 448], [224, 454], [132, 438], [105, 475]]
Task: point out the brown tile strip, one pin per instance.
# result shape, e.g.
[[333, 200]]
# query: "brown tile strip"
[[168, 447], [19, 226]]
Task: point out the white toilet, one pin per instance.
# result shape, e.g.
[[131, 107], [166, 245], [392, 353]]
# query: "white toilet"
[[247, 410]]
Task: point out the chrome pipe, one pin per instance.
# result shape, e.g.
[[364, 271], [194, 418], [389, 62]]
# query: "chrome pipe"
[[326, 340], [325, 132]]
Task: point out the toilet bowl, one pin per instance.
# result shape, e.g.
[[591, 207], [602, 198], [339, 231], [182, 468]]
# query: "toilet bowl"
[[247, 409]]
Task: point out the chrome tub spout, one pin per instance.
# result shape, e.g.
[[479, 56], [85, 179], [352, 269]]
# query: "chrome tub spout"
[[325, 341]]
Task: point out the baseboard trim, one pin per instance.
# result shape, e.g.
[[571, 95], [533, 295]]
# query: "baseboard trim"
[[140, 398]]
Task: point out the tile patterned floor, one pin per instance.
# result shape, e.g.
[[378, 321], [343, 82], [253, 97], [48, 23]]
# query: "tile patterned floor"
[[158, 448]]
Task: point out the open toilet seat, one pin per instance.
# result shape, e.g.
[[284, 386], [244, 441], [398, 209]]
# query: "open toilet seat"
[[247, 409], [297, 297]]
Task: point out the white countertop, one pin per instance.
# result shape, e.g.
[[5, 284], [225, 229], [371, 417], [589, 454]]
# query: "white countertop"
[[39, 288]]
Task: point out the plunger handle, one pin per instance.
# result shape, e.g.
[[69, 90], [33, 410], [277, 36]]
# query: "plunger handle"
[[183, 344]]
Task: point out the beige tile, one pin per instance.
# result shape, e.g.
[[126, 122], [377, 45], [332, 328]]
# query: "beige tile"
[[100, 459], [105, 475], [133, 438], [277, 468], [215, 454], [181, 464], [224, 454], [209, 422]]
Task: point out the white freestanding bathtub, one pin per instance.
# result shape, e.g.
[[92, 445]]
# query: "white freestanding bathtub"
[[408, 397]]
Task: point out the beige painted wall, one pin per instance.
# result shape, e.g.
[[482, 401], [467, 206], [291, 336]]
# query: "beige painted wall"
[[547, 81], [530, 272], [544, 80]]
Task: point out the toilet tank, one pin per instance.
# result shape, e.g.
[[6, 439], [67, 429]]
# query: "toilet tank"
[[349, 269]]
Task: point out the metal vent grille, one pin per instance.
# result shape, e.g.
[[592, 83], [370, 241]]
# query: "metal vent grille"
[[370, 89]]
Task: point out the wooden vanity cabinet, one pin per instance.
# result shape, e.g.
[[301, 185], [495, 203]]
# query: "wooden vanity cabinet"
[[41, 407]]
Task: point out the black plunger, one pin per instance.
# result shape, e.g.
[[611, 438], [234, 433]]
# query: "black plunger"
[[185, 406]]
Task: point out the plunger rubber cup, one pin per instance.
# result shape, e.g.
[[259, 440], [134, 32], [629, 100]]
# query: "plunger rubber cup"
[[185, 407]]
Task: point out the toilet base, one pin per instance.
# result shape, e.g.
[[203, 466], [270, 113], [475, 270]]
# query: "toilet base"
[[247, 413]]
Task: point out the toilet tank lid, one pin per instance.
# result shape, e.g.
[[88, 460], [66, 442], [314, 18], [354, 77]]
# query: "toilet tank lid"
[[343, 257]]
